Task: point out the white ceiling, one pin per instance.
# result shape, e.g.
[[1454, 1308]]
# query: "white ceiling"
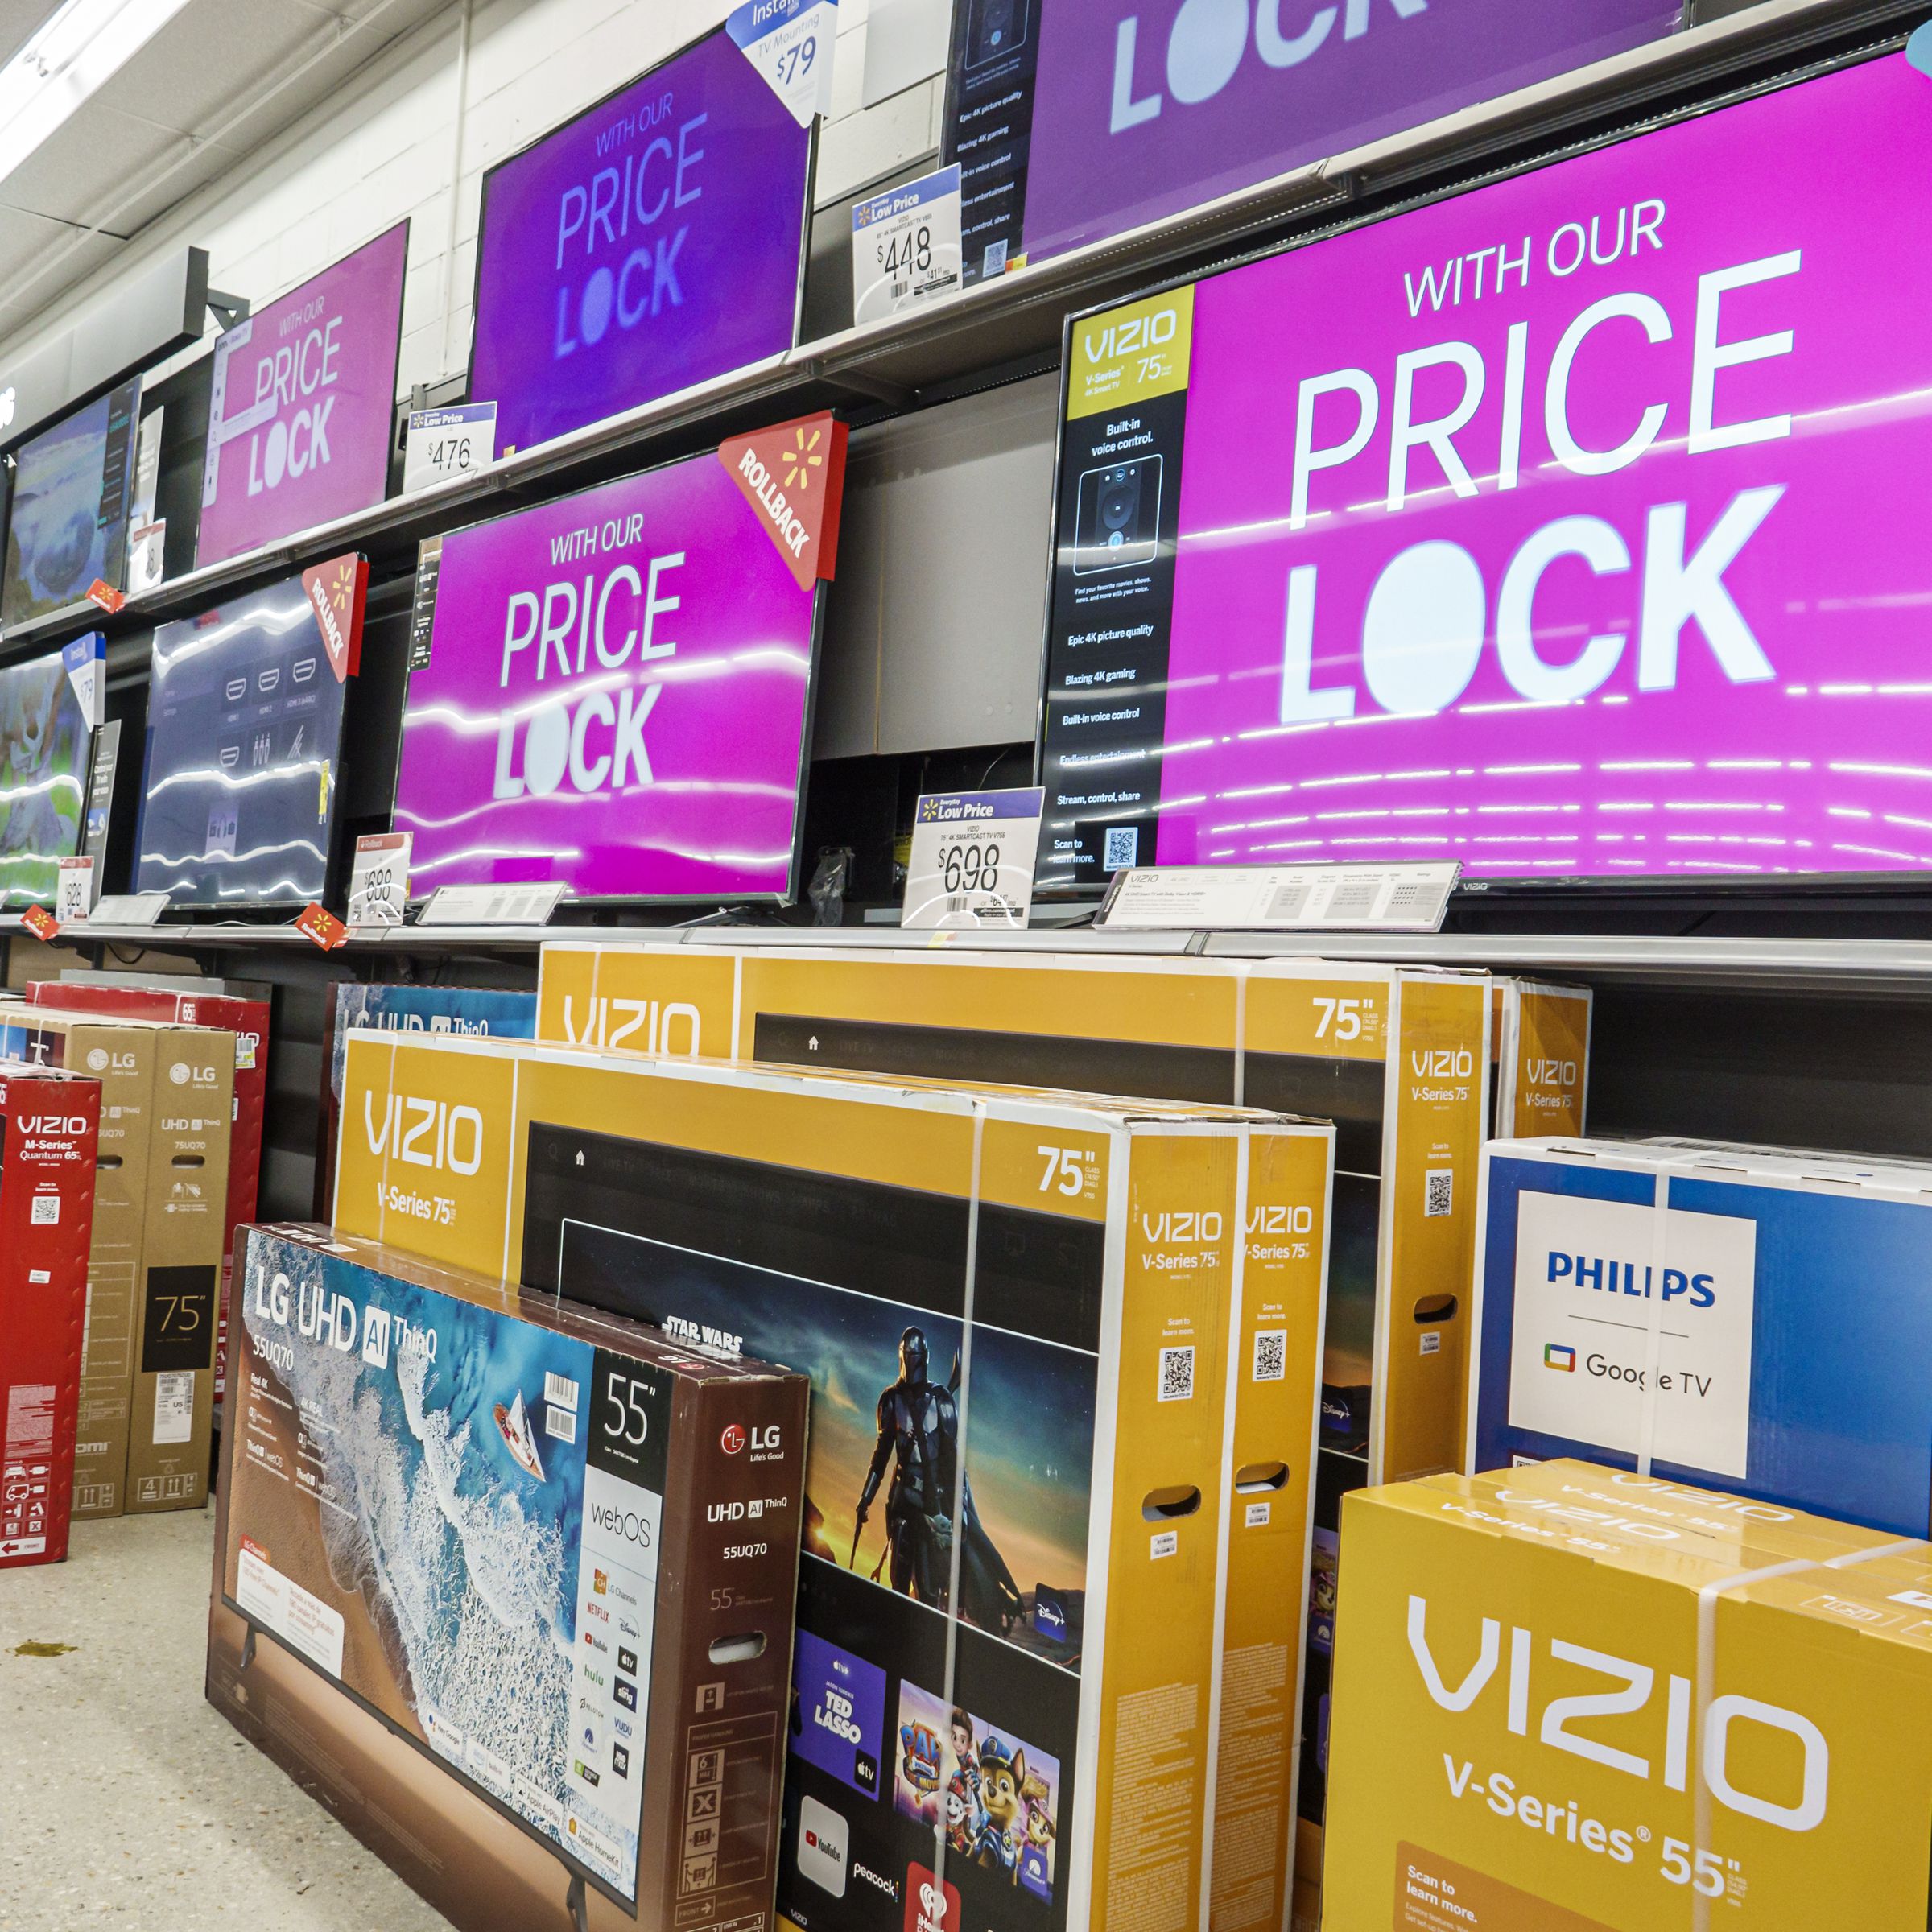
[[221, 79]]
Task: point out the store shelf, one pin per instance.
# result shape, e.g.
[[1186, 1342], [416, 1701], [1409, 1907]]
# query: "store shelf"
[[1014, 324]]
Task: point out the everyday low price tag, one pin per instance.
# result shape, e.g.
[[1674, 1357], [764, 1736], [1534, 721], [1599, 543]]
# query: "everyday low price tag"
[[446, 443], [378, 881], [972, 860], [905, 246]]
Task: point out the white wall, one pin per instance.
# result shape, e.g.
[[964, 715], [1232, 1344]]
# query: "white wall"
[[387, 147]]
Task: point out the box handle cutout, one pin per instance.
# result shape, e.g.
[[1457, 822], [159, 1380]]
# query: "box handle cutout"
[[1432, 1310], [738, 1649], [1168, 1505], [188, 1160], [1261, 1476], [107, 1160]]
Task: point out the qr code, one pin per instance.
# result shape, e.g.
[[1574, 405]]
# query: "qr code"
[[1177, 1375], [46, 1210], [1120, 848], [1438, 1192], [993, 262], [1270, 1355]]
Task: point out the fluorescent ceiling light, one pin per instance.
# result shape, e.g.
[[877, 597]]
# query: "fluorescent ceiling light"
[[78, 48]]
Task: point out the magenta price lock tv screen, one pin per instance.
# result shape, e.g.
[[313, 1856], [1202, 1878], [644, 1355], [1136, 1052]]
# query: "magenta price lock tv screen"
[[1573, 527], [302, 412], [1074, 120], [614, 692], [654, 242]]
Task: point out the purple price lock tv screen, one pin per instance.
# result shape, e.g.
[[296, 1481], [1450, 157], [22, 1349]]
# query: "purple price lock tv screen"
[[616, 694], [1570, 528], [654, 242]]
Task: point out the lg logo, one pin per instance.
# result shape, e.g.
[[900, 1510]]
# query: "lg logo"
[[1209, 38], [733, 1440]]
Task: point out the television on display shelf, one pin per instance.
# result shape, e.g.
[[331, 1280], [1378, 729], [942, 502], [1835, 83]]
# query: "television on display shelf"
[[614, 691], [1571, 528], [45, 735], [66, 526], [245, 709], [1076, 120], [654, 241], [302, 408]]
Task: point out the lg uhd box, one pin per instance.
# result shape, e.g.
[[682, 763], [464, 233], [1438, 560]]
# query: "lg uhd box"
[[509, 1586], [1018, 1310], [1744, 1318], [247, 1018], [1572, 1697], [154, 1266], [49, 1124]]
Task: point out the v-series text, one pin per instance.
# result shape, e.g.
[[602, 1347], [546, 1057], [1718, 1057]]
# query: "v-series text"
[[630, 209], [1449, 420]]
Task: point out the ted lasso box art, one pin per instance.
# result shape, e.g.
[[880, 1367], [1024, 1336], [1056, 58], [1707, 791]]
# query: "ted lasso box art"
[[1019, 1312], [1570, 1699], [509, 1587], [1748, 1317], [49, 1123]]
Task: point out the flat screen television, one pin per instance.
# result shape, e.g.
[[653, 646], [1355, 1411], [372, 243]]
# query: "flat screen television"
[[302, 403], [654, 241], [67, 525], [1075, 120], [44, 739], [245, 744], [614, 691], [1572, 528]]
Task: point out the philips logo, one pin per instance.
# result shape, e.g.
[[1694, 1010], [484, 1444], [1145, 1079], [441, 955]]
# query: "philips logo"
[[1628, 1689], [1622, 1277]]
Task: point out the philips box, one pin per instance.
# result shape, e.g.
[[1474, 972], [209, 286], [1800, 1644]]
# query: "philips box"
[[1753, 1319], [509, 1588], [154, 1260], [1572, 1697], [49, 1124], [1022, 1312]]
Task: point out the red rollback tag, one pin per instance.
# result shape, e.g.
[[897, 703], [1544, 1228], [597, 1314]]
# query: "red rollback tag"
[[40, 922], [322, 926]]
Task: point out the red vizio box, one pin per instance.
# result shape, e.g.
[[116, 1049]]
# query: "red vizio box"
[[50, 1125], [247, 1019]]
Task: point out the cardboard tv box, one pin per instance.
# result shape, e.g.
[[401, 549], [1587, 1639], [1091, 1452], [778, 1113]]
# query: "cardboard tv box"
[[1398, 1057], [247, 1017], [1747, 1318], [155, 1262], [1539, 1043], [1016, 1310], [1571, 1698], [49, 1122], [479, 1012], [509, 1586]]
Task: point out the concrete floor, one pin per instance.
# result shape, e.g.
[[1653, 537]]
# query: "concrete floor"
[[127, 1801]]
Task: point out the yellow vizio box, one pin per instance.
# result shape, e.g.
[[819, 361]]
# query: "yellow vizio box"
[[1569, 1698], [1397, 1058], [1539, 1037], [1040, 1537]]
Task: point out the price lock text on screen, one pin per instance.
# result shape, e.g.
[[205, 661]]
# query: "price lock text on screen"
[[599, 217], [1427, 614], [594, 626]]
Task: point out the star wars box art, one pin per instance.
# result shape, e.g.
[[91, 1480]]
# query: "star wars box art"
[[509, 1588], [1022, 1314]]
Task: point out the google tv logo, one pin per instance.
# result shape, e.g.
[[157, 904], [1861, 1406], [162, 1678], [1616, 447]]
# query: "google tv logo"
[[1557, 1357]]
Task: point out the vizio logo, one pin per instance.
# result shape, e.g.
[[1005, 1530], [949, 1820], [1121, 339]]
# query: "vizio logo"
[[425, 1133], [1630, 1688]]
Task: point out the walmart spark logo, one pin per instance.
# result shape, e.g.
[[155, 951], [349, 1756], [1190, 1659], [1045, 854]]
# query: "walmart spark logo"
[[1556, 1355], [802, 458]]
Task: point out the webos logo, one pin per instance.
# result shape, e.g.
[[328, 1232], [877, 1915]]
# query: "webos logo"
[[1628, 1689], [626, 1526], [425, 1133]]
